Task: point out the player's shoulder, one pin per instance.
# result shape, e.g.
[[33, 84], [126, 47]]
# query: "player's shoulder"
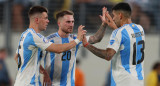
[[124, 27], [53, 35], [139, 26], [31, 32], [118, 30]]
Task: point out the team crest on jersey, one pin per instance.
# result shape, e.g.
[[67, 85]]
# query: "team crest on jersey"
[[112, 41], [45, 40]]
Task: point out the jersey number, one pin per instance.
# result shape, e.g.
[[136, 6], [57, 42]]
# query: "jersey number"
[[68, 53], [135, 52]]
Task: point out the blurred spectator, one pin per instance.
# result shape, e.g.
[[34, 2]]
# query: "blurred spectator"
[[79, 75], [139, 16], [4, 77], [153, 78], [18, 9], [60, 5], [154, 8], [19, 13], [142, 3], [87, 12]]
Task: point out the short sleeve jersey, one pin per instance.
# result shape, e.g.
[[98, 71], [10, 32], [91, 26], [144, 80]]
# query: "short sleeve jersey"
[[29, 53], [61, 66], [127, 64]]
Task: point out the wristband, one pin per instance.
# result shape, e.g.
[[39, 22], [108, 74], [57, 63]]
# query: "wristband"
[[86, 44], [77, 41]]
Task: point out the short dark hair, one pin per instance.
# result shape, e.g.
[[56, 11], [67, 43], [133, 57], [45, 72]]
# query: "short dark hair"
[[37, 9], [63, 13], [123, 7]]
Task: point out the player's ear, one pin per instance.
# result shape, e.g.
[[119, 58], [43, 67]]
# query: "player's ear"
[[36, 20], [58, 23], [120, 15]]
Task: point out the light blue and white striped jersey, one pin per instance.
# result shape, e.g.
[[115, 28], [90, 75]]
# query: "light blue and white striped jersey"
[[29, 54], [127, 64], [61, 67]]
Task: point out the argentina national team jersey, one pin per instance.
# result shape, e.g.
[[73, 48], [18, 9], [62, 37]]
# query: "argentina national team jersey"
[[61, 67], [127, 64], [29, 54]]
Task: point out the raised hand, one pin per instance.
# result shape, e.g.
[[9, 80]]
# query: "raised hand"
[[107, 19], [81, 32], [103, 17], [110, 21]]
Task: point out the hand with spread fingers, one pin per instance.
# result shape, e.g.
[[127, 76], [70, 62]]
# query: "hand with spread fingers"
[[107, 19], [103, 17], [110, 21], [81, 32]]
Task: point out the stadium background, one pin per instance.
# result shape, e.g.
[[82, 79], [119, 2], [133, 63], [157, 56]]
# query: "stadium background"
[[14, 20]]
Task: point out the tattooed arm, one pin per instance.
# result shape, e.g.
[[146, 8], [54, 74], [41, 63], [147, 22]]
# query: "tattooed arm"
[[97, 37], [106, 20], [104, 54]]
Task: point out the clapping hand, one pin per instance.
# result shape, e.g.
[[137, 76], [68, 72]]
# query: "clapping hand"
[[107, 19]]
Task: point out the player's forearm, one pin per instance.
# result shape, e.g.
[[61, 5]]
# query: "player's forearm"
[[104, 54], [67, 46], [97, 37], [59, 48], [98, 52]]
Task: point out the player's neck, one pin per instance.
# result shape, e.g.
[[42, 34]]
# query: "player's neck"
[[63, 34], [33, 26], [126, 21]]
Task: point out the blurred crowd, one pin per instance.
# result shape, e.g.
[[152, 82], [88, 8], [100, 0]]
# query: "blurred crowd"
[[5, 79], [87, 12]]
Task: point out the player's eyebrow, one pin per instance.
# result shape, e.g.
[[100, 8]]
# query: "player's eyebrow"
[[70, 21]]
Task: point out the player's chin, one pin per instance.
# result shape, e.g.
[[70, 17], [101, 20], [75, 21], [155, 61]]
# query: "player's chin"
[[44, 29], [70, 31]]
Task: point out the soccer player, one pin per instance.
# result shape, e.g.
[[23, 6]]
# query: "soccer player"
[[125, 49], [61, 66], [32, 43]]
